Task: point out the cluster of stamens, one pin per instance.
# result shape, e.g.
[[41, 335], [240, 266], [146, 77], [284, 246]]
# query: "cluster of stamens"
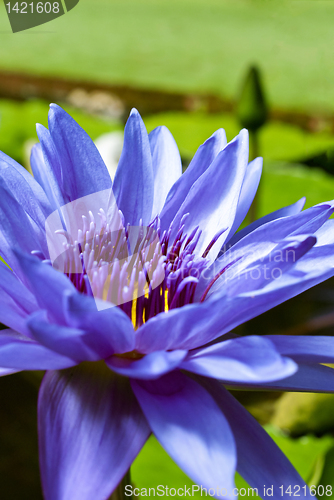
[[133, 267]]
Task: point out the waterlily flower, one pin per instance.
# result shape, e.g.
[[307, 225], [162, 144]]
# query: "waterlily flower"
[[132, 315]]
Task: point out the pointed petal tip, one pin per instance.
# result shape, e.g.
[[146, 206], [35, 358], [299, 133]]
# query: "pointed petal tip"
[[244, 134], [36, 147], [55, 109], [297, 207], [302, 201], [40, 130], [241, 140], [163, 129], [219, 132], [219, 136], [135, 117], [164, 134], [134, 112], [257, 163]]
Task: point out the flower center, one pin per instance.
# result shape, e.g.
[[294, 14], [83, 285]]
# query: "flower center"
[[135, 268]]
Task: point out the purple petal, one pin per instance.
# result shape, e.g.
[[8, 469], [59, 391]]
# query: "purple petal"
[[317, 261], [90, 431], [167, 167], [47, 284], [243, 307], [195, 325], [7, 371], [305, 349], [71, 342], [45, 165], [18, 229], [260, 244], [306, 222], [24, 189], [112, 328], [133, 183], [264, 270], [325, 234], [12, 315], [240, 359], [308, 378], [325, 210], [293, 209], [16, 300], [247, 194], [260, 461], [83, 170], [151, 366], [199, 164], [191, 428], [246, 306], [20, 353], [217, 191], [10, 284], [166, 331]]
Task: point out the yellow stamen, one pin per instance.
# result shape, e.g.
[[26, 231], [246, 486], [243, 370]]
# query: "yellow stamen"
[[134, 313], [134, 308]]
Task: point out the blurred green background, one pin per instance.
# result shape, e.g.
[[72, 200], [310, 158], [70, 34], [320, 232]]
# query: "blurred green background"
[[112, 54], [188, 45]]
